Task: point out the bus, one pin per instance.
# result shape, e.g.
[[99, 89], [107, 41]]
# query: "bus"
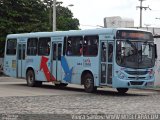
[[120, 58]]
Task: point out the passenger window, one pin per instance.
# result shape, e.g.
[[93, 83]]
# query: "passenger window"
[[32, 46], [103, 51], [57, 51], [11, 46], [74, 46], [90, 45], [110, 52], [44, 46]]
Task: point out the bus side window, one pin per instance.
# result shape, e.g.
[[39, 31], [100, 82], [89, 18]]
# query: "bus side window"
[[44, 46], [90, 45], [74, 46], [32, 46], [103, 51], [69, 47], [110, 52], [57, 51], [11, 46]]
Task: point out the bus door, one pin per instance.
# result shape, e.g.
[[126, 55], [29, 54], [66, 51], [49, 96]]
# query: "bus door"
[[56, 60], [106, 63], [21, 60]]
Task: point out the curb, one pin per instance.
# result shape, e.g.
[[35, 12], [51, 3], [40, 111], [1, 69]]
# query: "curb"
[[156, 88]]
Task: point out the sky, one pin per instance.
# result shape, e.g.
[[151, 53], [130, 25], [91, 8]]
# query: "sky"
[[91, 13]]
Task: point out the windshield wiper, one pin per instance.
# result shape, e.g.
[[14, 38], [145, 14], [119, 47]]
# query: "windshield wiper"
[[145, 42], [132, 45], [135, 52]]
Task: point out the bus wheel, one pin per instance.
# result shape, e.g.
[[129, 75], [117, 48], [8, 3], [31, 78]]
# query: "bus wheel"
[[122, 90], [89, 83], [30, 78]]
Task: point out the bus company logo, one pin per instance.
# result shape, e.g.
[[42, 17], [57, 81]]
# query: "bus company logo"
[[137, 77], [87, 62]]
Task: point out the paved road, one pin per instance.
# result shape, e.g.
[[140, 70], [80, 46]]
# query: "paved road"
[[17, 98], [17, 87]]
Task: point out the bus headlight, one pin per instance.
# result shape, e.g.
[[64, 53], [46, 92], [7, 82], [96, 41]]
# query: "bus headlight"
[[151, 73], [121, 75]]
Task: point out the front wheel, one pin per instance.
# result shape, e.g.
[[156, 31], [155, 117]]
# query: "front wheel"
[[122, 90], [89, 83]]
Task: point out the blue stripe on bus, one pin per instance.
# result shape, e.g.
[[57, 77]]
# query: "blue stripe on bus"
[[67, 70]]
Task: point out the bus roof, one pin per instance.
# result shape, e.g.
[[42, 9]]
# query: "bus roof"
[[70, 32]]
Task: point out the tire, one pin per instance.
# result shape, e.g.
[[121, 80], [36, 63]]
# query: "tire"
[[30, 78], [31, 82], [89, 83], [122, 90]]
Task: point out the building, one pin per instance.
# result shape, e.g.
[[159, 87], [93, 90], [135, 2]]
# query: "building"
[[117, 21]]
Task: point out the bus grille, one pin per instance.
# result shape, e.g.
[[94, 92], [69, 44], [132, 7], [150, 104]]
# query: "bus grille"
[[137, 78], [137, 72], [136, 83]]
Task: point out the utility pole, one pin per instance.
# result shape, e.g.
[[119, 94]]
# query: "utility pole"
[[54, 15], [141, 8]]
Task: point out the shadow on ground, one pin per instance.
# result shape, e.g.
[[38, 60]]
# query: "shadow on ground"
[[109, 92]]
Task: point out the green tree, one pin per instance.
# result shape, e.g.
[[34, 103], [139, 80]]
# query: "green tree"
[[19, 16], [65, 20], [64, 16]]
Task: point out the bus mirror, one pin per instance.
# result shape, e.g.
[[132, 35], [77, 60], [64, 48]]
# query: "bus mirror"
[[155, 48]]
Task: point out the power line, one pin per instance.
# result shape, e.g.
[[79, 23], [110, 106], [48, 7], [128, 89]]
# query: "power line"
[[141, 8]]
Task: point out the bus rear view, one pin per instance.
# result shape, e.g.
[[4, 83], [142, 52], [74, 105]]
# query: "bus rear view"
[[134, 61]]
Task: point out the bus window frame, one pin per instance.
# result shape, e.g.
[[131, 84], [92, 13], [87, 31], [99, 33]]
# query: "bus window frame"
[[47, 48], [66, 44], [91, 40], [37, 40], [15, 52]]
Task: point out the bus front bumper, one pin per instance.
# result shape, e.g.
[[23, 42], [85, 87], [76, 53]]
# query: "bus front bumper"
[[122, 83]]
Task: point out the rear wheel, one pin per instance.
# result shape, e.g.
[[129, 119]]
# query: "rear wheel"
[[31, 79], [89, 83], [122, 90]]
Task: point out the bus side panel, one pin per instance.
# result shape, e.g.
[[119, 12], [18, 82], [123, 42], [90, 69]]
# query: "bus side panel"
[[70, 69], [10, 61], [10, 65], [79, 64], [35, 62]]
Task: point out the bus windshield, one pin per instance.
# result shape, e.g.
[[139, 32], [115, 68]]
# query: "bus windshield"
[[135, 54]]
